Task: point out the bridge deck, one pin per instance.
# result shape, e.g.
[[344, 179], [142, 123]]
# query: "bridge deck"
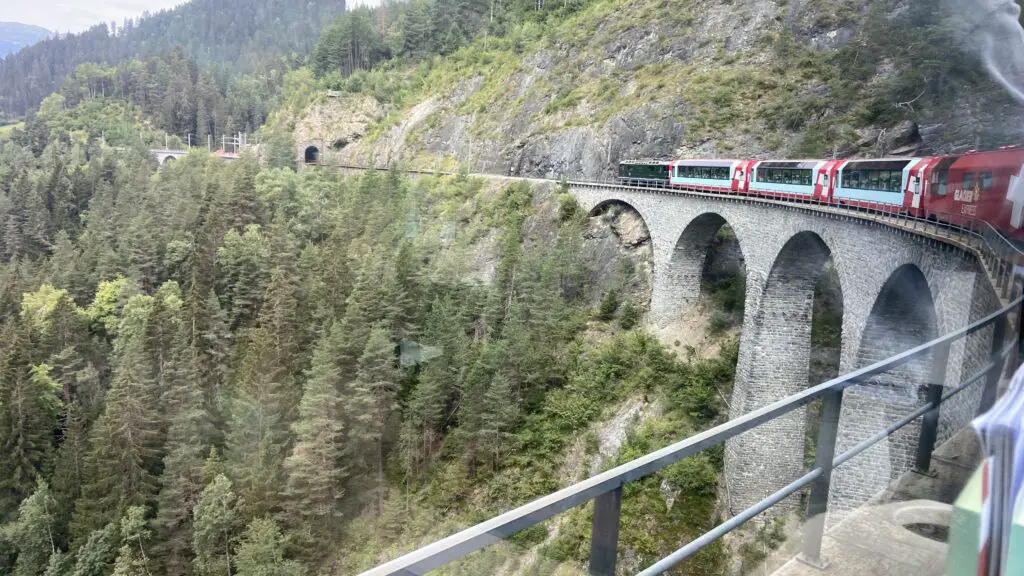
[[870, 542]]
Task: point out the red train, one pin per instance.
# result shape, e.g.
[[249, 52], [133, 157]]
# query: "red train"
[[986, 186]]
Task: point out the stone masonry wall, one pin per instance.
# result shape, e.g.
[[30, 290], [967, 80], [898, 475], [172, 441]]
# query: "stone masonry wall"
[[784, 248]]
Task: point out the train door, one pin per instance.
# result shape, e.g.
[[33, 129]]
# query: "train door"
[[822, 181], [834, 178], [825, 185], [737, 176], [915, 183]]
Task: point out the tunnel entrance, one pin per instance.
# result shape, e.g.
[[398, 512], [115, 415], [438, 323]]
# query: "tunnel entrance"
[[312, 155]]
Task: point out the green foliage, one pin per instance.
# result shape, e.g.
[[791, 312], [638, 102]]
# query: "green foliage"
[[32, 532], [131, 558], [96, 556], [215, 528], [261, 552], [609, 305], [629, 315], [769, 536]]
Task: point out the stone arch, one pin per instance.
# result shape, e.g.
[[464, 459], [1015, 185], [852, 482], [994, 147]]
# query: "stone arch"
[[621, 245], [311, 155], [168, 159], [903, 316], [774, 362], [691, 251]]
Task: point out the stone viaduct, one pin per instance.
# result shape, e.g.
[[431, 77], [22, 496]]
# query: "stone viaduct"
[[898, 290]]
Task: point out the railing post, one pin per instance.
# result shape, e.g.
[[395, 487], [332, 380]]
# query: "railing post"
[[1019, 349], [604, 533], [930, 422], [817, 504], [988, 395]]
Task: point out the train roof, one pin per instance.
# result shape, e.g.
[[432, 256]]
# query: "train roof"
[[808, 163], [706, 162], [665, 162]]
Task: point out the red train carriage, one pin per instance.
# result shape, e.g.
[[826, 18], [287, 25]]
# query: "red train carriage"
[[986, 186], [793, 179], [893, 184]]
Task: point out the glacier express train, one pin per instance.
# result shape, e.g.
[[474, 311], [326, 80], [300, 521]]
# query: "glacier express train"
[[986, 186]]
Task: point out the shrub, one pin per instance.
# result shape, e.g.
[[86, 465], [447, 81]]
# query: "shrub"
[[629, 317], [609, 305], [568, 208], [720, 322], [693, 475]]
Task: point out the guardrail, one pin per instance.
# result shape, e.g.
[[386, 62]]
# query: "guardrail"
[[606, 488]]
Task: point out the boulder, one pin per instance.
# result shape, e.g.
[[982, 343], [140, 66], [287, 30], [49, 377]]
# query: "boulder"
[[902, 136], [630, 228]]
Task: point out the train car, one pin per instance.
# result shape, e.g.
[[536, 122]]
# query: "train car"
[[794, 179], [985, 186], [704, 175], [644, 173], [885, 184]]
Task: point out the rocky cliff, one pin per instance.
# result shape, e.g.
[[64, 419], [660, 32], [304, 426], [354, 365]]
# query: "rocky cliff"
[[653, 79]]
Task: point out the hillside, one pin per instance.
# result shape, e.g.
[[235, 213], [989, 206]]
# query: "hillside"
[[572, 94], [235, 36], [15, 36]]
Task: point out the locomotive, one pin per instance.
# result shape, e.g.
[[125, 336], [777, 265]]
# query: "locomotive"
[[987, 186]]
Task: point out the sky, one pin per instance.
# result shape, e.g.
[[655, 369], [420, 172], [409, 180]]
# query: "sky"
[[77, 15]]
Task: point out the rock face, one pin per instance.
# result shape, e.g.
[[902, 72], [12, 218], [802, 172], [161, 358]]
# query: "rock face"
[[618, 246], [708, 79], [335, 123]]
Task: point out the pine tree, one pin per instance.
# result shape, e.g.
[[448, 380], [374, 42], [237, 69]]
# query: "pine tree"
[[438, 383], [367, 304], [29, 413], [124, 443], [214, 529], [69, 463], [261, 552], [189, 436], [498, 415], [317, 466], [258, 433], [33, 532], [406, 295], [244, 262], [374, 405]]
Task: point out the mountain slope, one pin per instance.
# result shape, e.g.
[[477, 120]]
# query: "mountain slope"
[[15, 36], [239, 36], [617, 80]]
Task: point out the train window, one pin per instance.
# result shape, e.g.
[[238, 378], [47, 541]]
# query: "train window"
[[968, 181], [895, 181], [873, 180], [943, 182], [986, 181]]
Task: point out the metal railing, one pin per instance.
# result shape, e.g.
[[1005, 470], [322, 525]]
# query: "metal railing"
[[998, 256], [606, 488]]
